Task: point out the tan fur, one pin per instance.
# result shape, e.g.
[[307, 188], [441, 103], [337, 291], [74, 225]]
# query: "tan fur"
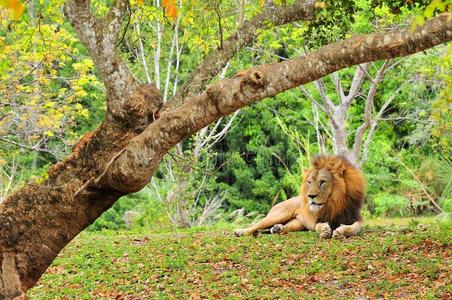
[[332, 191]]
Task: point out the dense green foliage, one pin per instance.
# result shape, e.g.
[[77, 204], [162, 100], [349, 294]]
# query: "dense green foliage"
[[50, 96]]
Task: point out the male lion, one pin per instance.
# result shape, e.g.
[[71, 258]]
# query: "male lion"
[[332, 194]]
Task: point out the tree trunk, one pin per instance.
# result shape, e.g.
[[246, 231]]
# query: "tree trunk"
[[118, 158]]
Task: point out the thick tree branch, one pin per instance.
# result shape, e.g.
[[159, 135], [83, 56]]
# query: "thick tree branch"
[[113, 21], [216, 60]]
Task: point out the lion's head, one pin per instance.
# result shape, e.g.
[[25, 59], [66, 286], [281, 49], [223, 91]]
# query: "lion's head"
[[332, 185]]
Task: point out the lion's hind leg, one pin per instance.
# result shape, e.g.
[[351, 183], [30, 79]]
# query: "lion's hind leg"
[[279, 214], [348, 230]]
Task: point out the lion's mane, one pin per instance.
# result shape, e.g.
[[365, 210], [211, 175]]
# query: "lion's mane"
[[345, 202]]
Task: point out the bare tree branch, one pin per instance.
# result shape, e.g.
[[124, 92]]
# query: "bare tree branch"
[[217, 137], [174, 41], [374, 123], [365, 148], [201, 139], [158, 50], [179, 49], [32, 148], [368, 109], [141, 53], [320, 140], [311, 97], [364, 68], [241, 9], [423, 188], [357, 82], [320, 85], [338, 86], [9, 178]]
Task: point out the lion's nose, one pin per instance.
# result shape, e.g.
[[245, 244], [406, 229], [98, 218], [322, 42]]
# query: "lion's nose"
[[312, 196]]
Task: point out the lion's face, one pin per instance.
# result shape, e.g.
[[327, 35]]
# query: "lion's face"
[[319, 185], [331, 186]]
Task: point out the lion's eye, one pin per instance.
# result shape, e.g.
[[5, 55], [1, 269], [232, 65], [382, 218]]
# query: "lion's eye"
[[322, 182], [309, 182]]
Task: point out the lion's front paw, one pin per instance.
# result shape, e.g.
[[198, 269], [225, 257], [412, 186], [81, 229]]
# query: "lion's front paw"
[[278, 228], [324, 230], [325, 234], [339, 233]]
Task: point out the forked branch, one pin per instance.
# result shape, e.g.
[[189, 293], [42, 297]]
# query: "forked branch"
[[100, 36], [375, 82]]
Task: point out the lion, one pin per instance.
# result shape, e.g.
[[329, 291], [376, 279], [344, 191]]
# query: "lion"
[[332, 194]]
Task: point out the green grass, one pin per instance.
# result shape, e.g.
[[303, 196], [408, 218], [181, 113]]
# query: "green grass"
[[403, 261]]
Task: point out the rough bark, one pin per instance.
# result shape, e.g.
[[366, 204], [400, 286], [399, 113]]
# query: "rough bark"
[[38, 220]]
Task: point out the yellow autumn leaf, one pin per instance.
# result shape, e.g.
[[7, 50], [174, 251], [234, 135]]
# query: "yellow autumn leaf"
[[320, 4], [49, 133], [81, 93], [49, 104]]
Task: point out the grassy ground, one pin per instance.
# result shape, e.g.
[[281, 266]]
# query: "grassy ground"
[[397, 261]]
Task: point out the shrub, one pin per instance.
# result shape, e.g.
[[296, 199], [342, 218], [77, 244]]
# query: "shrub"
[[390, 205]]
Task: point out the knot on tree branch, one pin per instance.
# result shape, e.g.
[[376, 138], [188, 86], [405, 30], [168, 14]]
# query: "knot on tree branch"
[[128, 175], [142, 107], [231, 93], [254, 79]]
